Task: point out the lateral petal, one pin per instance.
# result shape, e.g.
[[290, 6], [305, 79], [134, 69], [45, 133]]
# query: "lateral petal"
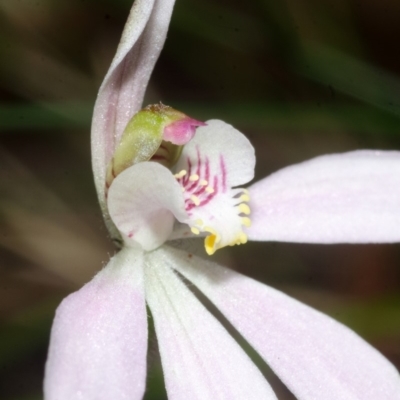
[[200, 359], [98, 340], [339, 198], [143, 201], [314, 355]]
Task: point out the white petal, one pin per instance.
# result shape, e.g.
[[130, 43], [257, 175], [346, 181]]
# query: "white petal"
[[121, 93], [98, 341], [143, 201], [315, 356], [200, 359], [341, 198]]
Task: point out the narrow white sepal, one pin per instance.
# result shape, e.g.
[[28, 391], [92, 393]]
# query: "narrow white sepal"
[[122, 91], [200, 359], [314, 355]]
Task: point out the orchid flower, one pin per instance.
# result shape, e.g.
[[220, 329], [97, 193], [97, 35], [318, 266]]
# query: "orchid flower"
[[162, 176]]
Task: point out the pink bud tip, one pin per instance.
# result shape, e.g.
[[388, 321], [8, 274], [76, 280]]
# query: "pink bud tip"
[[182, 131]]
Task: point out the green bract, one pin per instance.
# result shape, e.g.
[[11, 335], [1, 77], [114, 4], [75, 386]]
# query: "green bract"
[[142, 140]]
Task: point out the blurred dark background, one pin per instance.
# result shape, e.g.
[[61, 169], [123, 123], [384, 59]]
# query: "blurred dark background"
[[300, 77]]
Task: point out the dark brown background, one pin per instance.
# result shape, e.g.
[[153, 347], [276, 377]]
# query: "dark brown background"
[[300, 77]]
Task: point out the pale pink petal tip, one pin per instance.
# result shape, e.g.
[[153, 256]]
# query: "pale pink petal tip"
[[98, 340], [314, 356], [182, 131]]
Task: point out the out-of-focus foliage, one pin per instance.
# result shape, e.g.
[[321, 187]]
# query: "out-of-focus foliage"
[[300, 77]]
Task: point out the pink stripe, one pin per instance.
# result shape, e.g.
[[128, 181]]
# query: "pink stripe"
[[223, 170], [189, 171], [211, 195], [198, 161], [200, 191], [207, 177]]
